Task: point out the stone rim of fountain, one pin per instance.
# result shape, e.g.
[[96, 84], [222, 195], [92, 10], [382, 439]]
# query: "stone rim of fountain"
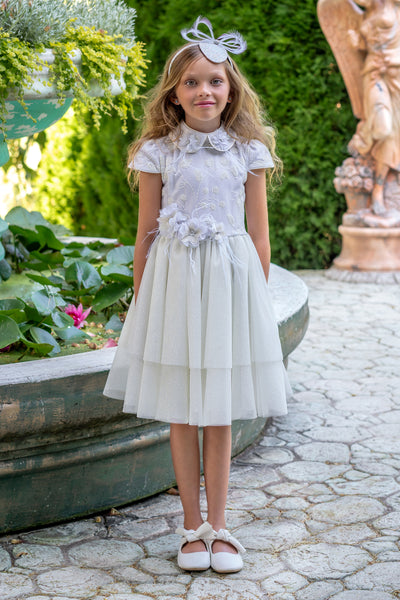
[[67, 451]]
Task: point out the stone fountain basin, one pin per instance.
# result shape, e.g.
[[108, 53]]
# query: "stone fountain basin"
[[67, 451]]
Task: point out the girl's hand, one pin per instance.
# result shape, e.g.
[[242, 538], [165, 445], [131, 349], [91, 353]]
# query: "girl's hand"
[[257, 216]]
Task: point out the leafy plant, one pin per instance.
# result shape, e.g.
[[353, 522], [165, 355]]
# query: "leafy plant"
[[65, 273], [102, 58], [40, 22], [35, 23], [17, 61], [68, 28]]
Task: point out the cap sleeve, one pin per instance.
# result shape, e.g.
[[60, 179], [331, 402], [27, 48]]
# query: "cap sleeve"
[[147, 158], [258, 156]]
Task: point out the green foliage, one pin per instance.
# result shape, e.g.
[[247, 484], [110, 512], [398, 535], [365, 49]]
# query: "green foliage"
[[35, 22], [113, 16], [102, 59], [16, 63], [25, 27], [43, 21], [290, 65], [82, 179], [94, 275]]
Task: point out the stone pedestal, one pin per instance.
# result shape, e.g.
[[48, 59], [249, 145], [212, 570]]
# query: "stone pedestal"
[[369, 249]]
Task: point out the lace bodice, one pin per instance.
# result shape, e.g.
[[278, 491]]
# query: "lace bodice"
[[203, 178]]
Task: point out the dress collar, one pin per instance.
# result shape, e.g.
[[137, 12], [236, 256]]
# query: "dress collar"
[[190, 140]]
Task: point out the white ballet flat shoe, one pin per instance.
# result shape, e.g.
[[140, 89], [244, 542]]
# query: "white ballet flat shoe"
[[195, 561], [226, 562]]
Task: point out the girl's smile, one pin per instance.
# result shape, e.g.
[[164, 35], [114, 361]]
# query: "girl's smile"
[[203, 93]]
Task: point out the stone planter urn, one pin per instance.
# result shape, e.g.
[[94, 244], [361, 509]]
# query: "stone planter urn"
[[42, 103], [66, 450]]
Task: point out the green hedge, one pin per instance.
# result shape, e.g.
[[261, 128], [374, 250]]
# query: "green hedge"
[[291, 66]]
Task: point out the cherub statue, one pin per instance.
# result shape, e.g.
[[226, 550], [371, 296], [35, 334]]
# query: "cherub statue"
[[365, 38]]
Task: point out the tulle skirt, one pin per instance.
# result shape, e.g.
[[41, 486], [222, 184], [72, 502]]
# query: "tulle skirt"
[[201, 344]]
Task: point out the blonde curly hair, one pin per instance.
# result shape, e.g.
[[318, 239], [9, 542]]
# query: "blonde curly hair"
[[243, 116]]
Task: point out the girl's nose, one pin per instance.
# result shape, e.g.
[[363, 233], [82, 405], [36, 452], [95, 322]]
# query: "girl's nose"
[[204, 89]]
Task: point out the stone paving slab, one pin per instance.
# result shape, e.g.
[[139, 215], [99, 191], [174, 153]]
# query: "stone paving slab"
[[316, 500]]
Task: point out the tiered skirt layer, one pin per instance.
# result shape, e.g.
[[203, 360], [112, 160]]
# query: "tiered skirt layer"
[[201, 344]]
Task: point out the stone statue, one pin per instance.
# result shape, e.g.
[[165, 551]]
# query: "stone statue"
[[365, 38]]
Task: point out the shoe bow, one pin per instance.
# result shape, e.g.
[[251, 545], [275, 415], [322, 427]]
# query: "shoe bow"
[[225, 536], [204, 532]]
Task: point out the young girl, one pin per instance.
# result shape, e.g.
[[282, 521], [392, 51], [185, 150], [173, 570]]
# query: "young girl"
[[200, 347]]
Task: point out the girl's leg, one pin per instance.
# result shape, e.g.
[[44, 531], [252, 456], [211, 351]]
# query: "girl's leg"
[[217, 460], [186, 460]]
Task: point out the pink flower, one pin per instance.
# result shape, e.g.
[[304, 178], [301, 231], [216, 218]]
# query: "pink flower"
[[78, 314], [110, 343]]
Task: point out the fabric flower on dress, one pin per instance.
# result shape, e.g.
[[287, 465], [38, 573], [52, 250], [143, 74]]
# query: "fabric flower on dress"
[[192, 232], [170, 219], [189, 230], [216, 230]]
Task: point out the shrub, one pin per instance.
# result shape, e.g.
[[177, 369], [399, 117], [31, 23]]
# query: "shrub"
[[290, 65]]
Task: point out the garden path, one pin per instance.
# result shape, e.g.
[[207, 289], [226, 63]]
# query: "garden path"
[[316, 500]]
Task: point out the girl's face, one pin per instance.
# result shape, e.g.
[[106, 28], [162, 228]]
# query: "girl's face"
[[203, 93]]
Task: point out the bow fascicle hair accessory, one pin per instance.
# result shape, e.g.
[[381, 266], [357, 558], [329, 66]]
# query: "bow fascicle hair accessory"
[[214, 49]]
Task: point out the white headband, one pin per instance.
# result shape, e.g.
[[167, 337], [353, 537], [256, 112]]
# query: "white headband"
[[215, 49]]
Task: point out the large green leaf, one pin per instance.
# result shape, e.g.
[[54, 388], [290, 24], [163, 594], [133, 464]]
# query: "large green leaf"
[[9, 331], [61, 319], [52, 259], [70, 334], [47, 238], [84, 275], [116, 272], [46, 302], [53, 281], [10, 304], [109, 294], [13, 308], [35, 222], [3, 226], [41, 336], [29, 235], [32, 314], [5, 270], [114, 323], [2, 251], [122, 255], [24, 219], [75, 250], [41, 234], [83, 294], [42, 349]]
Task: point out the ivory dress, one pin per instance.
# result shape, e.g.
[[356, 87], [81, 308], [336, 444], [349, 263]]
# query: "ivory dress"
[[201, 344]]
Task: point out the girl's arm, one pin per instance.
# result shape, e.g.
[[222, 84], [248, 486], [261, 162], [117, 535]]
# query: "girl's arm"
[[150, 185], [257, 216]]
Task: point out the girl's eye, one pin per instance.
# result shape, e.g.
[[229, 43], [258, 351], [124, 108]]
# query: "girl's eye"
[[216, 81], [190, 82]]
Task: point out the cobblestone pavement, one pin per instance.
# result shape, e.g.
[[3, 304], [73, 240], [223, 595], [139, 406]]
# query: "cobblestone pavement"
[[316, 500]]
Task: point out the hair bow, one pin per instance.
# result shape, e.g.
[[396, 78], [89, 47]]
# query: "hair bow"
[[215, 49]]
